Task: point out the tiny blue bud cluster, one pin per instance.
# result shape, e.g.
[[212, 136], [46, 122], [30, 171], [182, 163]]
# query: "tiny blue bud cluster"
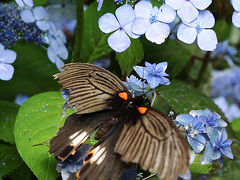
[[14, 29]]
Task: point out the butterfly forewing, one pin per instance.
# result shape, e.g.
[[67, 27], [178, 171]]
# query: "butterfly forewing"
[[90, 86], [156, 144]]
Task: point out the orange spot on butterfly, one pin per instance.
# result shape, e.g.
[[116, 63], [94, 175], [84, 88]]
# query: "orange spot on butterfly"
[[142, 110], [123, 95], [61, 158]]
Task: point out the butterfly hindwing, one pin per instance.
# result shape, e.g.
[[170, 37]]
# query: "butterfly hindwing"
[[156, 144], [90, 86], [75, 132]]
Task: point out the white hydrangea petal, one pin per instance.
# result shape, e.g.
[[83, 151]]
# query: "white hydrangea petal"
[[43, 25], [186, 34], [39, 12], [100, 3], [157, 32], [27, 16], [1, 48], [207, 40], [205, 19], [6, 71], [108, 23], [8, 56], [52, 55], [166, 14], [59, 64], [125, 14], [236, 5], [19, 3], [188, 12], [128, 29], [201, 4], [29, 3], [143, 9], [119, 41], [236, 19], [62, 51], [140, 25], [175, 4]]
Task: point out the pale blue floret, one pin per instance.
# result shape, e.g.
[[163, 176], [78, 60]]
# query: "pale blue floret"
[[236, 13]]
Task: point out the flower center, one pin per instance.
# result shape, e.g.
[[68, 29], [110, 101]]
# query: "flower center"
[[198, 28]]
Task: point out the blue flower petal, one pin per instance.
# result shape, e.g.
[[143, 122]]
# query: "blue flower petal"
[[188, 12], [202, 4], [186, 34], [221, 123], [227, 152], [197, 143], [166, 14], [212, 134], [216, 154], [29, 3], [162, 66], [207, 40], [6, 71], [8, 56], [62, 51], [165, 81], [59, 64], [27, 16], [143, 9], [206, 157], [125, 14], [184, 119], [100, 2], [128, 29], [108, 23], [153, 81], [119, 41], [39, 12], [140, 25], [141, 71], [52, 55], [236, 19], [175, 4], [43, 25], [236, 5], [1, 49], [157, 32]]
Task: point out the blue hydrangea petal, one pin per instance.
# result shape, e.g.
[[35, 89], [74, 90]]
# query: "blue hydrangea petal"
[[153, 81], [125, 14], [227, 142], [52, 55], [141, 71], [27, 16], [192, 156], [119, 41], [166, 14], [224, 134], [128, 29], [236, 5], [216, 154], [137, 81], [227, 152], [184, 119], [19, 3], [205, 112], [207, 40], [1, 49], [206, 157], [140, 25], [162, 66], [186, 34], [157, 32], [39, 12], [100, 3], [165, 81], [62, 51], [6, 71], [212, 134], [59, 64], [220, 161], [143, 9], [29, 3], [236, 19], [221, 123], [8, 56], [205, 19], [188, 12], [108, 23], [201, 4], [197, 142], [175, 4], [43, 25]]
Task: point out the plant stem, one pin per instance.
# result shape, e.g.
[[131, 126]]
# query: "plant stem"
[[203, 69], [78, 31]]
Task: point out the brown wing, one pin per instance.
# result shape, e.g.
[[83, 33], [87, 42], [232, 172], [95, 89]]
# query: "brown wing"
[[75, 132], [156, 144], [102, 163], [90, 86]]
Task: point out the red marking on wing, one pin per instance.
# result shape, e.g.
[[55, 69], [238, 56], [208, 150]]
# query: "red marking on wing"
[[123, 95]]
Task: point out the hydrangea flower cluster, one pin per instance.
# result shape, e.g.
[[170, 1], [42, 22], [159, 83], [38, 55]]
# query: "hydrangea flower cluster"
[[154, 23], [206, 129]]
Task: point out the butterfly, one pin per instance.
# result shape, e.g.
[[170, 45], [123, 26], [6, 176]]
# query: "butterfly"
[[129, 130]]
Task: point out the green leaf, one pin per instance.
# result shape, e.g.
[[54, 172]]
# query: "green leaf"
[[39, 2], [9, 159], [37, 122], [130, 57], [197, 168], [94, 43], [21, 172], [8, 112], [33, 73], [236, 127], [222, 30], [176, 53], [182, 98]]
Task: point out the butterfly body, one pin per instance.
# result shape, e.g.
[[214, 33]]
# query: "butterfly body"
[[129, 130]]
